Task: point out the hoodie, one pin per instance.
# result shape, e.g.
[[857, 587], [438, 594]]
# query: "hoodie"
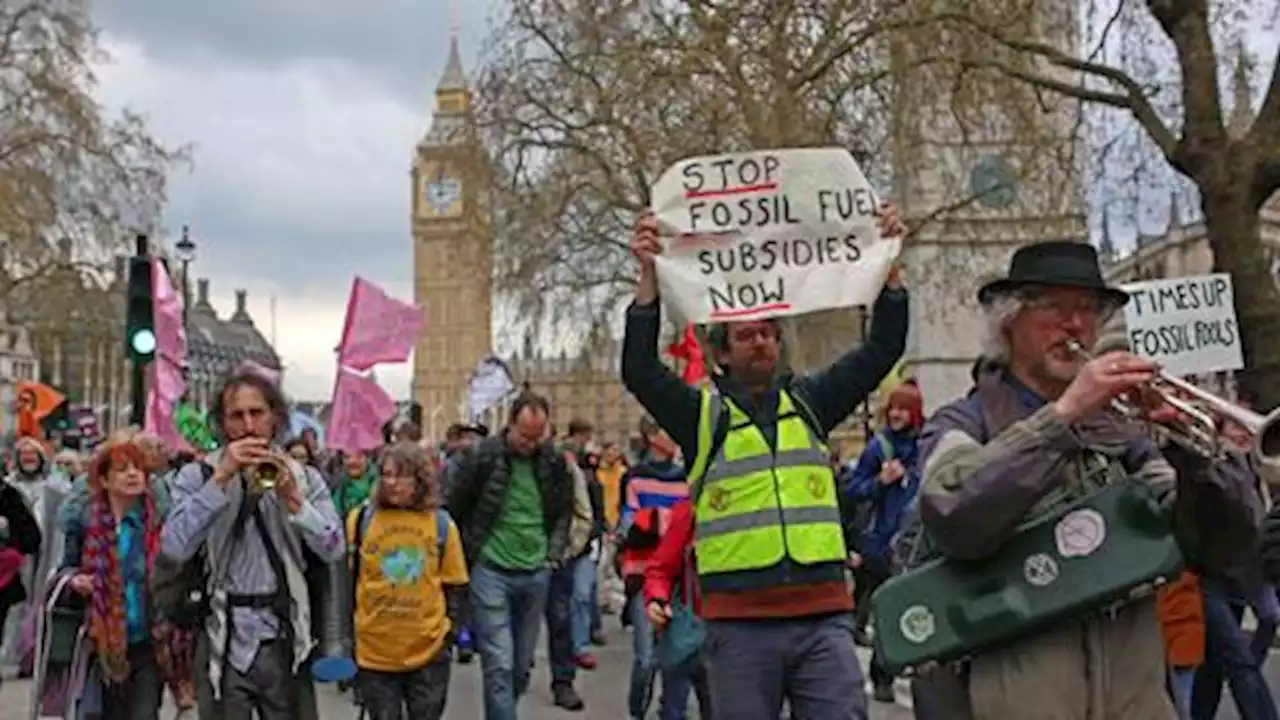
[[888, 502]]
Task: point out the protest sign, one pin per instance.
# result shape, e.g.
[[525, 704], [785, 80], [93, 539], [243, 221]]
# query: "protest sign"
[[1186, 324], [771, 233]]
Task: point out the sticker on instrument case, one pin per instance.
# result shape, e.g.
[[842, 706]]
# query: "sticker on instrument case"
[[917, 624], [1040, 570], [1080, 533]]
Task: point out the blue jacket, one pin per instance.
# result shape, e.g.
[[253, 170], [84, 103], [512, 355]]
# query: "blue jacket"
[[888, 502]]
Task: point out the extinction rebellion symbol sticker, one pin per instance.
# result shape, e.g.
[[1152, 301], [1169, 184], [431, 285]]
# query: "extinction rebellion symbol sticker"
[[917, 624]]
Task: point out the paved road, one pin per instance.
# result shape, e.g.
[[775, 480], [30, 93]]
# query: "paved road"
[[603, 689]]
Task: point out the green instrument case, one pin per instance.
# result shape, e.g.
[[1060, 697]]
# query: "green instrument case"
[[1103, 550]]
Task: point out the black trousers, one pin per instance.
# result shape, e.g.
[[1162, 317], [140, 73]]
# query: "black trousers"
[[417, 694], [139, 697]]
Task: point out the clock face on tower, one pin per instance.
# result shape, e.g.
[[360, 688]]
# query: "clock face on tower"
[[442, 195]]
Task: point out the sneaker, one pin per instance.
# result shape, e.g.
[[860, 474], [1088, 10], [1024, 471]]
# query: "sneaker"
[[597, 639], [465, 656], [566, 697], [586, 661], [884, 694]]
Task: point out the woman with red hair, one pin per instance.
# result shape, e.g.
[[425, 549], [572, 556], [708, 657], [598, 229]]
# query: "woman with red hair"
[[110, 554], [884, 480]]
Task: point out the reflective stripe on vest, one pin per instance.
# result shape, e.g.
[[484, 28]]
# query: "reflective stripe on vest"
[[756, 506]]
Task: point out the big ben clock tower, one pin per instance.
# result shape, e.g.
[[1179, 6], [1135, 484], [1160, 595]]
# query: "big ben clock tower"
[[451, 252]]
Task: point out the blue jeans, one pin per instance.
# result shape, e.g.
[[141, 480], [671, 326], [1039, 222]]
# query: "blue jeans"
[[1182, 682], [584, 599], [507, 608], [644, 668], [1229, 656]]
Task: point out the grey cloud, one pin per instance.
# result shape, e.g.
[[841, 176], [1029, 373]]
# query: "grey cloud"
[[400, 44]]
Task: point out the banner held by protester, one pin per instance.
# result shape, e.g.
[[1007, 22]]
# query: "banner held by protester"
[[769, 233], [1187, 324]]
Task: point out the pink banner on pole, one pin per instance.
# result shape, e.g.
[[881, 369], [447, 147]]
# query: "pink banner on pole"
[[378, 328], [168, 383], [360, 408]]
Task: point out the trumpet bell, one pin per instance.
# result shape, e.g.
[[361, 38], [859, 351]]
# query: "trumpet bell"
[[265, 476], [1267, 439]]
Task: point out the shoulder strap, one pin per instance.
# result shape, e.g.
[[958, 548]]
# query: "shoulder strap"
[[886, 446], [713, 428], [282, 602], [363, 519], [442, 535], [806, 412]]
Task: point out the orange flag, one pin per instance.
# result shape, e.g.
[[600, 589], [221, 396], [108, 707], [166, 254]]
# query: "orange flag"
[[35, 402]]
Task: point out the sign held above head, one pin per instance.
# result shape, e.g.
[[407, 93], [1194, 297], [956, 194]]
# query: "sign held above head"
[[770, 233]]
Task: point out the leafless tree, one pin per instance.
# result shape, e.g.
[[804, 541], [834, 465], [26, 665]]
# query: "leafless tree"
[[75, 183], [582, 105], [1157, 71]]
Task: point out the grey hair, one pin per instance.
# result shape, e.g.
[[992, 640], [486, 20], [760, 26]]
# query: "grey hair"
[[1002, 308], [999, 310]]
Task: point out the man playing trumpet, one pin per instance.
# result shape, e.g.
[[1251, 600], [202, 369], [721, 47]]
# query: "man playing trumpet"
[[1027, 443], [250, 510]]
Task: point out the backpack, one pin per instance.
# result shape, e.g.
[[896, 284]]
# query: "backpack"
[[362, 527], [179, 590]]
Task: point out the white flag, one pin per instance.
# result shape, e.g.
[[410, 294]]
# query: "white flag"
[[490, 383]]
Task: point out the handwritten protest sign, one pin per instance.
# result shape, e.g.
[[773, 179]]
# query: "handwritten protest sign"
[[768, 234], [1186, 324]]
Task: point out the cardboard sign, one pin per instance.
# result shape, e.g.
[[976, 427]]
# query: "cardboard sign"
[[772, 233], [1186, 324]]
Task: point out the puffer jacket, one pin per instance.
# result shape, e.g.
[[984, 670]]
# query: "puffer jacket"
[[478, 487]]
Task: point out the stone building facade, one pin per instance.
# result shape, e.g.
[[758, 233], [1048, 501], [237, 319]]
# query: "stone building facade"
[[217, 346], [79, 345], [18, 363]]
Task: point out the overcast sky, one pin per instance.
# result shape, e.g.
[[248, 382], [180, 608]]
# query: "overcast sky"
[[303, 115]]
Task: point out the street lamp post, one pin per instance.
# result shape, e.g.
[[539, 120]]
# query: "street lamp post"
[[186, 252], [185, 249]]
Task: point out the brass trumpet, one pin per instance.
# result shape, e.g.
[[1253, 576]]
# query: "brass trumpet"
[[1201, 433], [264, 476]]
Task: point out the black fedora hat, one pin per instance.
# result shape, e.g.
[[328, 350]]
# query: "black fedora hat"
[[1058, 263]]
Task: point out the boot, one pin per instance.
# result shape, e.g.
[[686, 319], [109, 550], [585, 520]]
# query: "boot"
[[564, 696]]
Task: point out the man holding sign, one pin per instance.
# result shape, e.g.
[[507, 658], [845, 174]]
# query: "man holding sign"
[[770, 550]]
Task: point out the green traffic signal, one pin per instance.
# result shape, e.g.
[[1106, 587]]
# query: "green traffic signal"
[[140, 336], [143, 342]]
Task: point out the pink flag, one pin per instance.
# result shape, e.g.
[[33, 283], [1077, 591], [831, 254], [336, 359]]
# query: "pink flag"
[[168, 383], [378, 327], [360, 408]]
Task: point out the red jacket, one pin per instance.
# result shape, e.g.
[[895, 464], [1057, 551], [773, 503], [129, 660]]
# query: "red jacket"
[[672, 559]]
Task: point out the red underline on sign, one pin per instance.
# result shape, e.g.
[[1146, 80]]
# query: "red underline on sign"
[[694, 194], [736, 314]]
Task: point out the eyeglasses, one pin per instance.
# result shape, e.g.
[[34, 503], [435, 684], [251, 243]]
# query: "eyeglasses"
[[751, 332], [1062, 307]]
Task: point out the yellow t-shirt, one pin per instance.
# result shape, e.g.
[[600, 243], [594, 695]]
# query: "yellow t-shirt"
[[400, 618]]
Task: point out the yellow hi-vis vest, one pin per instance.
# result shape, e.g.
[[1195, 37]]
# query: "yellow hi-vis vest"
[[755, 505]]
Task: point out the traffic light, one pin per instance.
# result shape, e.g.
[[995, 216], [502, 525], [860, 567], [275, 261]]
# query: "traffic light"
[[140, 329]]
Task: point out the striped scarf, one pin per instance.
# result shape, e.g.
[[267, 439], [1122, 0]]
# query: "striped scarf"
[[107, 619]]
